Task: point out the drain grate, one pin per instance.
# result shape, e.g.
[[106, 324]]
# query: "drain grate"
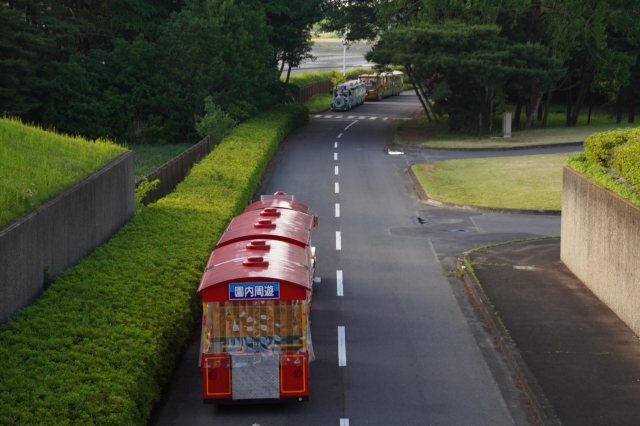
[[419, 220]]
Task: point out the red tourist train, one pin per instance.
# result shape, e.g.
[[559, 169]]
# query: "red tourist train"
[[256, 296]]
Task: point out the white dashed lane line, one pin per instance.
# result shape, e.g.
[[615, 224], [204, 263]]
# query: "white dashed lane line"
[[342, 348], [337, 210], [344, 422], [340, 135], [351, 124], [338, 241], [335, 144], [335, 156], [336, 170], [340, 288], [337, 188]]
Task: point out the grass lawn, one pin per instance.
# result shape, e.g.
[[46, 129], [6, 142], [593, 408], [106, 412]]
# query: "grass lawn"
[[149, 157], [35, 165], [319, 102], [526, 182], [422, 133]]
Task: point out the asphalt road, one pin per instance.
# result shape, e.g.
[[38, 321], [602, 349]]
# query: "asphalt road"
[[416, 354]]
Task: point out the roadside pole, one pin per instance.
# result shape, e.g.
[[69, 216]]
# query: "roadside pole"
[[344, 54]]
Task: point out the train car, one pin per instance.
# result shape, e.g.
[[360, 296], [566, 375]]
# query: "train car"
[[376, 85], [257, 292], [347, 96], [397, 82]]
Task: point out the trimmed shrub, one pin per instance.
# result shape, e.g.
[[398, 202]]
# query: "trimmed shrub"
[[599, 175], [100, 342], [625, 159], [598, 146]]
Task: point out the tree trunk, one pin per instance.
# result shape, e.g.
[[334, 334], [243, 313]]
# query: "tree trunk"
[[415, 87], [288, 73], [569, 109], [516, 115], [632, 114], [540, 111], [619, 102], [586, 82], [590, 108], [532, 114], [426, 98], [479, 124], [546, 109]]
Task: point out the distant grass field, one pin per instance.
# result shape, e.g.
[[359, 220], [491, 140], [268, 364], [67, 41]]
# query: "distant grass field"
[[523, 182], [149, 157], [35, 165], [427, 134]]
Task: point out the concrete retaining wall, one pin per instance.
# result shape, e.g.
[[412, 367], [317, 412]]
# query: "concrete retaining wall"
[[600, 243], [62, 231]]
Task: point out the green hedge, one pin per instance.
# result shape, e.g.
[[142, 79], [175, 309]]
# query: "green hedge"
[[598, 146], [625, 159], [618, 150], [98, 345]]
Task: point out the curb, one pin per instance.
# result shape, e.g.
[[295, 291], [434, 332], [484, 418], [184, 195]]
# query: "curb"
[[541, 406], [482, 209], [507, 148]]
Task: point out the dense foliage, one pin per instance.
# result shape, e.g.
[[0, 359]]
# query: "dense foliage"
[[98, 344], [534, 52], [140, 70], [612, 159], [36, 165]]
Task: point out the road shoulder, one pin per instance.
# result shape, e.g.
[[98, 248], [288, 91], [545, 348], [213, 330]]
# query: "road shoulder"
[[578, 362]]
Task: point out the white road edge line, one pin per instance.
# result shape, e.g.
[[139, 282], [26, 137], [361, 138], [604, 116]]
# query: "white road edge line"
[[344, 422], [339, 135], [337, 209], [336, 170], [337, 188], [338, 241], [335, 155], [342, 348], [340, 287], [351, 124]]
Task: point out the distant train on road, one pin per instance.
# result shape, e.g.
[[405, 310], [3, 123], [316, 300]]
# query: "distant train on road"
[[347, 96], [256, 297], [382, 85]]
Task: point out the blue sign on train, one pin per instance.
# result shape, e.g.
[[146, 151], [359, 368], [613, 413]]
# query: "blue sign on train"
[[254, 291]]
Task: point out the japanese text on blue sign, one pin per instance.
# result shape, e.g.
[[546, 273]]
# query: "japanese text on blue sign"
[[252, 291]]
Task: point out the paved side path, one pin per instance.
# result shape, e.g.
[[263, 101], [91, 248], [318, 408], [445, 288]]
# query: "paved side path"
[[585, 359]]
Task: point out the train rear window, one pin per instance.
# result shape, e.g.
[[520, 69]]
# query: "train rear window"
[[262, 326]]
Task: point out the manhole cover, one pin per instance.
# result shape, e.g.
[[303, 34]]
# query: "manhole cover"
[[419, 220], [460, 230]]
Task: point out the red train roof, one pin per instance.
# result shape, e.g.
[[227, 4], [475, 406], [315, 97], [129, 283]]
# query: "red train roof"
[[270, 224], [257, 262], [278, 203]]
